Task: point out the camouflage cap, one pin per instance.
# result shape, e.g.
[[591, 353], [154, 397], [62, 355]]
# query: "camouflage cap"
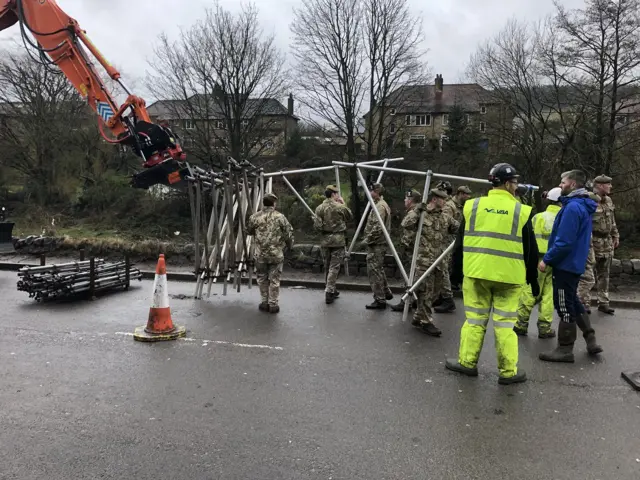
[[332, 188], [414, 194], [376, 187], [602, 179], [270, 196], [436, 192], [464, 189]]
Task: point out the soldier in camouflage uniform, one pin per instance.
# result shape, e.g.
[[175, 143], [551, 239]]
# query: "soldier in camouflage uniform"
[[587, 279], [437, 227], [331, 219], [271, 233], [605, 240], [409, 229], [377, 248], [453, 208]]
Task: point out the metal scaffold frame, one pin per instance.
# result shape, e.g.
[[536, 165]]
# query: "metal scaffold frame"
[[429, 175]]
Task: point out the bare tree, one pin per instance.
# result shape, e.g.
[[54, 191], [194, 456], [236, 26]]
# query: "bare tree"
[[224, 77], [328, 46], [601, 48], [508, 67], [43, 126], [393, 38]]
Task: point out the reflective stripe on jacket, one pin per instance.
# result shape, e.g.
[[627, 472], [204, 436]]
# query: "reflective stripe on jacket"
[[492, 243], [542, 226]]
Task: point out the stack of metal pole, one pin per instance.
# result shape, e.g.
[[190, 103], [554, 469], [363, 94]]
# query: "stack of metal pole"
[[221, 203], [54, 282]]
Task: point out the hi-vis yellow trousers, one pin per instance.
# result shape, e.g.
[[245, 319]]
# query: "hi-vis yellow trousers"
[[480, 298], [528, 301]]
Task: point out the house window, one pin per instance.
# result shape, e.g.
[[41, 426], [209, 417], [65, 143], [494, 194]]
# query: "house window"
[[483, 110], [220, 124], [416, 141], [445, 120], [392, 128], [392, 111], [418, 120], [188, 124], [482, 126]]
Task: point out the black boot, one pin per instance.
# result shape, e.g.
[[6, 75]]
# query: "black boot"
[[589, 334], [388, 295], [447, 306], [606, 309], [263, 307], [437, 302], [566, 339], [329, 298], [453, 365], [519, 377], [376, 305]]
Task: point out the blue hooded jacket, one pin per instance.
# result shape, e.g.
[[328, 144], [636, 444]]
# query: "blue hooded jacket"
[[570, 237]]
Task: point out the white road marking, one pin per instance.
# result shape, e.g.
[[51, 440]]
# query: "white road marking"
[[218, 342]]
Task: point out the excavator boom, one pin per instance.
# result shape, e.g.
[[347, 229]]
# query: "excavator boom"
[[60, 37]]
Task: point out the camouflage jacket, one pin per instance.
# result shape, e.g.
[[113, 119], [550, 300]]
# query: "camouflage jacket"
[[453, 209], [373, 230], [410, 227], [604, 227], [331, 219], [271, 232], [437, 228]]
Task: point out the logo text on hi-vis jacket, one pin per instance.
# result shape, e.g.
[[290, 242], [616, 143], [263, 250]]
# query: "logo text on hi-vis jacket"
[[497, 212]]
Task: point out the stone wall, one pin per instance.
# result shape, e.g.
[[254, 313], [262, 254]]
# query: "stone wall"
[[308, 257]]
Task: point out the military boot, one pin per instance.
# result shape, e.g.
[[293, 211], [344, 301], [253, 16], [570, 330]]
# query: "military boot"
[[437, 302], [447, 306], [398, 307], [388, 295], [377, 305], [606, 309], [589, 334], [274, 308], [263, 307], [429, 328], [566, 339], [329, 298]]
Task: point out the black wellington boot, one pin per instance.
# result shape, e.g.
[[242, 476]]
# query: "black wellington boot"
[[447, 306], [566, 338], [589, 334]]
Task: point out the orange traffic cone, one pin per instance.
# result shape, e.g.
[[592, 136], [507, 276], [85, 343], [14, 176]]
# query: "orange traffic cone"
[[159, 325]]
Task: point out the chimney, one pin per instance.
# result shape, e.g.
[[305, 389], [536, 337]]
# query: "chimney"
[[439, 83], [290, 105]]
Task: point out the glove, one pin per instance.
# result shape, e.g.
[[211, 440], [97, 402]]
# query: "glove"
[[535, 289]]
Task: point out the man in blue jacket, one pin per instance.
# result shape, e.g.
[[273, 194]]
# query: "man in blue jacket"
[[567, 254]]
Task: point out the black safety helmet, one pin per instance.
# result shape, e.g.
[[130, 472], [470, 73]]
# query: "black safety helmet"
[[445, 186], [501, 173]]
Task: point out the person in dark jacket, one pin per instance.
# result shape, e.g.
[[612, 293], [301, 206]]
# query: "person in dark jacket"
[[567, 254]]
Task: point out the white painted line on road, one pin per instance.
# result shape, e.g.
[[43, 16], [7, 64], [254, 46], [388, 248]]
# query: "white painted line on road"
[[217, 342]]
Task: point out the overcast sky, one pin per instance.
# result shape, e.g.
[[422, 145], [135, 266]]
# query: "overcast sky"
[[125, 30]]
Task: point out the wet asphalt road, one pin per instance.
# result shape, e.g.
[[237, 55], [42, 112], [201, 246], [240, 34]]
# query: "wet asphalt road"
[[315, 392]]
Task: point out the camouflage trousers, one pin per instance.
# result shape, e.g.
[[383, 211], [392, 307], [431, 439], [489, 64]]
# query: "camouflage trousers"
[[375, 271], [587, 281], [445, 290], [427, 292], [333, 257], [596, 273], [269, 281]]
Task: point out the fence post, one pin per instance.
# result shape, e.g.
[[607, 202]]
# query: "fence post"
[[127, 273], [92, 278]]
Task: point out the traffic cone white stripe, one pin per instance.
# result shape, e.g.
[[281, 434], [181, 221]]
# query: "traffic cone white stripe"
[[160, 292]]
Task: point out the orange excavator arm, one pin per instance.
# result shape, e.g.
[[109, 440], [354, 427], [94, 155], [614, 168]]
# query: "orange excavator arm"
[[60, 37]]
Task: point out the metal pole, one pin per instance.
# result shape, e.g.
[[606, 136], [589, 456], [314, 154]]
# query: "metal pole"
[[362, 220], [416, 245], [382, 169], [384, 160], [338, 180], [295, 192], [293, 172], [270, 185], [384, 229], [429, 270]]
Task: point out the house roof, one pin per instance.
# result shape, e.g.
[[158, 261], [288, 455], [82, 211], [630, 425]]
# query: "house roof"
[[201, 106], [423, 98]]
